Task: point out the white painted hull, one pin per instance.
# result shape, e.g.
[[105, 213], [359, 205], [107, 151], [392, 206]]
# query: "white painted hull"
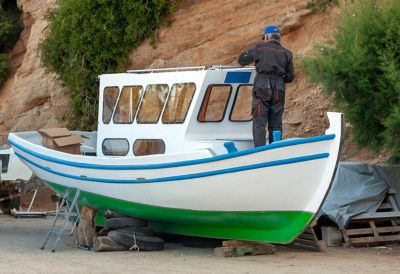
[[291, 175]]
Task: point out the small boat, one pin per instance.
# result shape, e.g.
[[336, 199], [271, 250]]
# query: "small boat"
[[174, 147], [13, 175]]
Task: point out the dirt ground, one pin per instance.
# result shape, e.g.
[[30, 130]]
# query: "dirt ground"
[[20, 241], [42, 202]]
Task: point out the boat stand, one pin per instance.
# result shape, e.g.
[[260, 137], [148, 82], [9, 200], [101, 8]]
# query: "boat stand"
[[70, 212]]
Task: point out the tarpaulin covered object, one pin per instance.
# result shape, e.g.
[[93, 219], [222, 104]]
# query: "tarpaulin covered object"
[[359, 188]]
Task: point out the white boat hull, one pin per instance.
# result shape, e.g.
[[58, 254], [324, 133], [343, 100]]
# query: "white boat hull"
[[287, 176]]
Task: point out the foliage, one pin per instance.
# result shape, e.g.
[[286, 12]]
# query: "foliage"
[[361, 67], [4, 63], [10, 28], [321, 5], [91, 37]]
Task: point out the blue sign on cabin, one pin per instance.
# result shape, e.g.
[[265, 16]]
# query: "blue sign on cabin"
[[237, 77]]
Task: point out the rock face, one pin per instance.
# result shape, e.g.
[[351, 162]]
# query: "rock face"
[[211, 32], [202, 32], [32, 97]]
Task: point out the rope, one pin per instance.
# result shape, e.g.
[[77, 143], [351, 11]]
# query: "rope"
[[135, 247]]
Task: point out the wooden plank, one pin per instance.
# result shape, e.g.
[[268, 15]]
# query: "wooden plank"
[[104, 243], [306, 242], [307, 237], [345, 236], [86, 231], [235, 243], [393, 202], [322, 245], [377, 215], [375, 240], [236, 251], [364, 231], [372, 224], [385, 206], [306, 247], [312, 224]]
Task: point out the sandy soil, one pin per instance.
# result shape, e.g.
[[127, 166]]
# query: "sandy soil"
[[20, 241]]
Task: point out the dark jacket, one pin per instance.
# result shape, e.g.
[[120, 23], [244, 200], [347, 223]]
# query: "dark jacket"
[[271, 59]]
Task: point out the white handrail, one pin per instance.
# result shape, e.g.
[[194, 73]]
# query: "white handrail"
[[167, 69], [195, 68]]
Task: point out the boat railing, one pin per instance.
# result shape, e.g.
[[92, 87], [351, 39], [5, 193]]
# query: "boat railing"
[[230, 68], [195, 68]]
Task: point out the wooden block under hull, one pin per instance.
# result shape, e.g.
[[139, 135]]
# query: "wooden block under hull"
[[242, 248]]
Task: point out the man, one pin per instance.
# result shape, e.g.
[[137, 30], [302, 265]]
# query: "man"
[[274, 67]]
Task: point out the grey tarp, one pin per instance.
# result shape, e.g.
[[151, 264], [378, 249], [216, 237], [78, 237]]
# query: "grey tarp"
[[359, 188]]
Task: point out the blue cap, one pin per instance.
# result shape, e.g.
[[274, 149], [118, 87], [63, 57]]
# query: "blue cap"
[[271, 29]]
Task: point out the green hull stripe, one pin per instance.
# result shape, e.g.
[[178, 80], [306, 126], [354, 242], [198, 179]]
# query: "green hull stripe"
[[268, 226]]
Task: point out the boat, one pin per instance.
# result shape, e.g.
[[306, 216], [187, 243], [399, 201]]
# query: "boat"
[[175, 147], [13, 176]]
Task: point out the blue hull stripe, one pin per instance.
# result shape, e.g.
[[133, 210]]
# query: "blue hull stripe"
[[186, 176], [272, 146]]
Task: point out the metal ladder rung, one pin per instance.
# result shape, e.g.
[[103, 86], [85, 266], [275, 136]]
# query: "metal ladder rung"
[[71, 211], [71, 215]]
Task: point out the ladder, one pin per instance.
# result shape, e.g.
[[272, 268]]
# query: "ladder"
[[71, 212]]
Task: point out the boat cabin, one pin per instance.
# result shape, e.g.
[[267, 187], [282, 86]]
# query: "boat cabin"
[[157, 111]]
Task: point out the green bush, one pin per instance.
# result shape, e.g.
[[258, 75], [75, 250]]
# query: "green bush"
[[10, 28], [321, 5], [4, 63], [361, 67], [91, 37]]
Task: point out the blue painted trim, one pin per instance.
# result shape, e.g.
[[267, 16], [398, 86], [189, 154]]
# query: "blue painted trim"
[[237, 77], [186, 176], [230, 147], [280, 144]]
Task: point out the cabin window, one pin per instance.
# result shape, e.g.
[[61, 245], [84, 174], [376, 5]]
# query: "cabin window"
[[152, 104], [115, 147], [127, 104], [214, 103], [143, 147], [178, 103], [241, 111], [110, 96]]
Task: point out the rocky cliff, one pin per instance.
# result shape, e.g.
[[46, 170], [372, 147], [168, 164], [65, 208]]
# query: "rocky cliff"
[[202, 32], [31, 97]]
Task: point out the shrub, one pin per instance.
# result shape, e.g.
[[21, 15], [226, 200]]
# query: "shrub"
[[321, 5], [91, 37], [10, 28], [4, 63], [361, 67]]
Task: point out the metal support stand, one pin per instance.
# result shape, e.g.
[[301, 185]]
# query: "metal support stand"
[[70, 213], [33, 199]]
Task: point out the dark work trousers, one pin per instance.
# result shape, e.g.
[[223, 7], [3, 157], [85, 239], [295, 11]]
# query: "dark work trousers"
[[267, 112]]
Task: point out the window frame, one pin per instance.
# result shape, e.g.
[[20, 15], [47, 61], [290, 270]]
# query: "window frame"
[[209, 88], [142, 139], [141, 103], [116, 102], [138, 105], [105, 139], [234, 103], [187, 111]]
